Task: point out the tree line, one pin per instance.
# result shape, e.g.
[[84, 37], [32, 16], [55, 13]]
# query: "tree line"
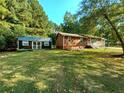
[[20, 18]]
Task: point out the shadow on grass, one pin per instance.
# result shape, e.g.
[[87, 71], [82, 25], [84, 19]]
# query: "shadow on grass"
[[58, 71]]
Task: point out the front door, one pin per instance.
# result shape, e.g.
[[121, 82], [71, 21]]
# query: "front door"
[[37, 45], [34, 45]]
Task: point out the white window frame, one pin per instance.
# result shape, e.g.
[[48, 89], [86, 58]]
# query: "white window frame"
[[46, 43], [25, 43]]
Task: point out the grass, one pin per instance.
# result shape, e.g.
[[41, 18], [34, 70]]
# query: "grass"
[[60, 71]]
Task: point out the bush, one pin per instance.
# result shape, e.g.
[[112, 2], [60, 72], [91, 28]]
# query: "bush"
[[2, 42], [53, 36], [8, 36]]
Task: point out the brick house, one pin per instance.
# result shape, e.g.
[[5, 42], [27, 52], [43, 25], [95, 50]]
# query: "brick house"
[[75, 41]]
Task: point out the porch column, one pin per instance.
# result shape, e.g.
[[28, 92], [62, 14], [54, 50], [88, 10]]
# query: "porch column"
[[32, 45], [40, 45], [17, 44], [36, 45]]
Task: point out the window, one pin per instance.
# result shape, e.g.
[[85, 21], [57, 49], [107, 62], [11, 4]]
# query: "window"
[[25, 43], [46, 43]]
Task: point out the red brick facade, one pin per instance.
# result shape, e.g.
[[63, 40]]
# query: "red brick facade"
[[75, 42]]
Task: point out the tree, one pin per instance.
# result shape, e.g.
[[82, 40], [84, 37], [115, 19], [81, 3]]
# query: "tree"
[[87, 25], [22, 17], [28, 13], [3, 12], [105, 10], [70, 24]]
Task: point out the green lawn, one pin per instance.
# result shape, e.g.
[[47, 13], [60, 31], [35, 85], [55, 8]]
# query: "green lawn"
[[59, 71]]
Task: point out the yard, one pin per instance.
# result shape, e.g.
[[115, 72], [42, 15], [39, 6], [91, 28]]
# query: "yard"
[[60, 71]]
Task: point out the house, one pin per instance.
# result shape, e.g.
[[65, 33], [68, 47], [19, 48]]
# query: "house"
[[75, 41], [30, 42]]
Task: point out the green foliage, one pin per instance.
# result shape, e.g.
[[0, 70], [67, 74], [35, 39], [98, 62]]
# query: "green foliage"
[[28, 13], [3, 12], [23, 17], [4, 24], [2, 42], [2, 2], [53, 36], [18, 30], [71, 24], [8, 38], [92, 19]]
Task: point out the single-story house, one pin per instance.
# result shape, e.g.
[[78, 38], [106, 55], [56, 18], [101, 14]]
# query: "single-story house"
[[30, 42], [75, 41]]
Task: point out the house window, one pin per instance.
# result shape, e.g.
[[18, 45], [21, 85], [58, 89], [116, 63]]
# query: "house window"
[[25, 43], [46, 43]]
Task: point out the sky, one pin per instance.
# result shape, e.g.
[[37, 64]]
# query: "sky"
[[55, 9]]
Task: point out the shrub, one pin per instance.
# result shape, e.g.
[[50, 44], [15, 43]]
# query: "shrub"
[[2, 42]]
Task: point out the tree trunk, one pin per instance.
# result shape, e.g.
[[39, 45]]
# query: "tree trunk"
[[116, 31]]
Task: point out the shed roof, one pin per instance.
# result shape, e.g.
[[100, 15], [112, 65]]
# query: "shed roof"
[[69, 34], [32, 38]]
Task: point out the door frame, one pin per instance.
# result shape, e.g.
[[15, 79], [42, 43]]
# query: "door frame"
[[36, 46]]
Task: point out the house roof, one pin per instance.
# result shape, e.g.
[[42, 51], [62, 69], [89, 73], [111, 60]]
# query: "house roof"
[[76, 35], [32, 38], [68, 34], [94, 37]]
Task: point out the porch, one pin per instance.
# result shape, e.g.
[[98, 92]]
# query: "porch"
[[33, 43]]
